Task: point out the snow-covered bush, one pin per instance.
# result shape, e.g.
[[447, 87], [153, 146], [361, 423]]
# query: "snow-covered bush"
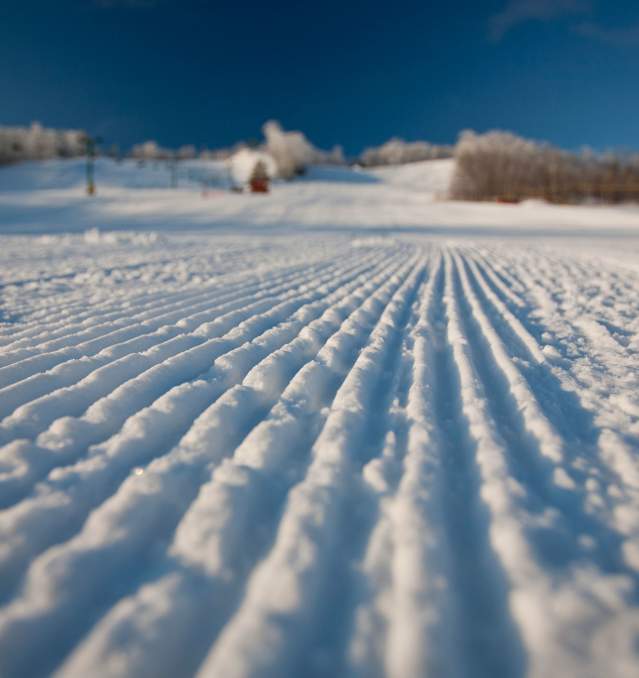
[[502, 166], [399, 152], [38, 143], [293, 152]]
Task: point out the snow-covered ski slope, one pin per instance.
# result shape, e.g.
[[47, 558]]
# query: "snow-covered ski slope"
[[50, 196], [278, 451]]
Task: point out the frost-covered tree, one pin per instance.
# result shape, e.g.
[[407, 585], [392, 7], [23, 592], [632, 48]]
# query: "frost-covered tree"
[[39, 143], [399, 152], [293, 152], [186, 152], [150, 150]]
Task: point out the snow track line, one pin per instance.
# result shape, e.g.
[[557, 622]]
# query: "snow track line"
[[504, 270], [41, 384], [603, 457], [26, 466], [32, 415], [223, 516], [153, 263], [64, 317], [545, 389], [101, 269], [510, 321], [76, 314], [500, 286], [56, 443], [468, 588], [474, 465], [92, 531], [547, 392], [320, 454], [309, 526], [149, 301], [24, 423], [47, 507], [328, 647], [534, 592], [404, 626], [38, 358], [524, 426], [145, 309]]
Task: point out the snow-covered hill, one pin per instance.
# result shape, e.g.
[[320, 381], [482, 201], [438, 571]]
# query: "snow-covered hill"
[[431, 177], [49, 197], [323, 432]]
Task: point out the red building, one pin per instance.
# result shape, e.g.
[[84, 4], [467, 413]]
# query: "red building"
[[259, 178]]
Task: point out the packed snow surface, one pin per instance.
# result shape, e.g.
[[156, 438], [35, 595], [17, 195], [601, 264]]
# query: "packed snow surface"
[[317, 451]]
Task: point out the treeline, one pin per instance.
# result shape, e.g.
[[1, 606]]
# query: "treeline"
[[151, 150], [496, 166], [38, 143], [503, 167], [292, 152]]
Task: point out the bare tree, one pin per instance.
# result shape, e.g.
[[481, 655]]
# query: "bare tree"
[[504, 167]]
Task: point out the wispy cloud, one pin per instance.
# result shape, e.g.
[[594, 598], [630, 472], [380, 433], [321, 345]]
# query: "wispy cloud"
[[518, 12], [628, 36]]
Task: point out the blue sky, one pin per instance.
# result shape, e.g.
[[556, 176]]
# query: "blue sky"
[[355, 73]]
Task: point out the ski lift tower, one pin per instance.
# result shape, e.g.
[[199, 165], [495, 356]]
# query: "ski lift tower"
[[91, 145]]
